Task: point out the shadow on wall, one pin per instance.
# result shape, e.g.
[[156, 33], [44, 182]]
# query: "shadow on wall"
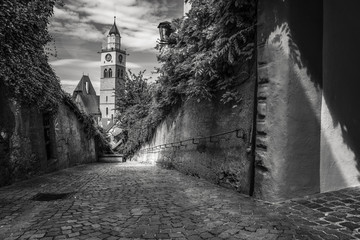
[[338, 63], [314, 25], [341, 62], [304, 18]]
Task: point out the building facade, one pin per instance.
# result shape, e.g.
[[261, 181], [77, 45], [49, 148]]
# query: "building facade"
[[86, 99], [112, 77]]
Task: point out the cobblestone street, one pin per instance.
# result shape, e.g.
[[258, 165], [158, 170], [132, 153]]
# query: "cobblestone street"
[[133, 201]]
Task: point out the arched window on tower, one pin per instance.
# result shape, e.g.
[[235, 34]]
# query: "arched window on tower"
[[105, 73], [110, 72]]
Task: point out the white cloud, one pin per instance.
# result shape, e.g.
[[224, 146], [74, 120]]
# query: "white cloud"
[[85, 64], [91, 19], [78, 62]]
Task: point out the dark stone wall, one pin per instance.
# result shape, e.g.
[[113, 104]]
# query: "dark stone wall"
[[224, 161], [22, 145], [23, 151], [7, 124], [289, 98]]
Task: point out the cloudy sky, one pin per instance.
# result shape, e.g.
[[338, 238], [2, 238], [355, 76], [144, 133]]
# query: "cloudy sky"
[[80, 27]]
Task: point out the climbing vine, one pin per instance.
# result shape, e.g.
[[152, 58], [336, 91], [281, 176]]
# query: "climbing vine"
[[206, 51], [139, 114], [89, 127], [24, 67]]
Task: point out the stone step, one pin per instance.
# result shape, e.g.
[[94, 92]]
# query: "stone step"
[[110, 158]]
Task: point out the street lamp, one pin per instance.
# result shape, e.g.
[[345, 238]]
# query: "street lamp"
[[165, 31]]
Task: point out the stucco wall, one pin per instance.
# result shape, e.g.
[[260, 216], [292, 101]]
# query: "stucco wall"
[[289, 98], [340, 135], [225, 162]]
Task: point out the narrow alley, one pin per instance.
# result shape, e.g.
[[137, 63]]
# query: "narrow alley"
[[135, 201]]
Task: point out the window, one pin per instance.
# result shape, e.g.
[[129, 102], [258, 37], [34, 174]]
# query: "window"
[[110, 72], [107, 111], [105, 73], [112, 116], [122, 72], [87, 87], [118, 72], [106, 98]]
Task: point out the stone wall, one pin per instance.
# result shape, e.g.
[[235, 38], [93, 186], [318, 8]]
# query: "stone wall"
[[289, 98], [24, 149], [74, 147], [22, 142], [224, 160]]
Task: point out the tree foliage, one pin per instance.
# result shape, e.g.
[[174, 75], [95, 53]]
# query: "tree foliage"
[[208, 54], [24, 68], [138, 113], [205, 53]]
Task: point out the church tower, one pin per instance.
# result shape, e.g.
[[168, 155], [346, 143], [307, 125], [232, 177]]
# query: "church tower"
[[112, 76]]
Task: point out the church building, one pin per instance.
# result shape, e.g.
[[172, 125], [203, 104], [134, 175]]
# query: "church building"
[[112, 77], [112, 80], [86, 99]]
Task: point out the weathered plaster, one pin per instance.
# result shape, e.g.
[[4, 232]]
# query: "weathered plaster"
[[340, 118], [226, 161], [338, 167], [288, 130]]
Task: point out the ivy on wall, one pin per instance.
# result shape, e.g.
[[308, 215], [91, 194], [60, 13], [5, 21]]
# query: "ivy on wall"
[[24, 67], [206, 51], [90, 128], [139, 113]]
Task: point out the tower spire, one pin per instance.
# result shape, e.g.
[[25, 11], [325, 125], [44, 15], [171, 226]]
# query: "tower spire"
[[114, 29]]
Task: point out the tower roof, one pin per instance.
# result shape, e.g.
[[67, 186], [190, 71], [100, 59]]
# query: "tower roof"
[[85, 96], [81, 87], [114, 29]]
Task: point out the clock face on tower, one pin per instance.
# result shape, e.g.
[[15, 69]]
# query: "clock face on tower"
[[120, 58], [108, 57]]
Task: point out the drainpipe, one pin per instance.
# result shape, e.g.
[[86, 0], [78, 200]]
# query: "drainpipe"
[[252, 144]]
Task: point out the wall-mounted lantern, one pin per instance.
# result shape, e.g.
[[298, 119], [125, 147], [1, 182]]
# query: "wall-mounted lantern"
[[165, 30]]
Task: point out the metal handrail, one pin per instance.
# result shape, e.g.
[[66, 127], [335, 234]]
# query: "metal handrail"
[[240, 133]]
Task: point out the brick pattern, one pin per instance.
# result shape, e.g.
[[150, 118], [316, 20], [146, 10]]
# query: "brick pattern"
[[261, 144], [261, 125]]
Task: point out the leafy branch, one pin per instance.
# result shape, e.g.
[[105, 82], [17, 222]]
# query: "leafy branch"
[[24, 67]]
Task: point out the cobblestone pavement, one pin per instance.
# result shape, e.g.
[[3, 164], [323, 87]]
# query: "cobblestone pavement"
[[133, 201]]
